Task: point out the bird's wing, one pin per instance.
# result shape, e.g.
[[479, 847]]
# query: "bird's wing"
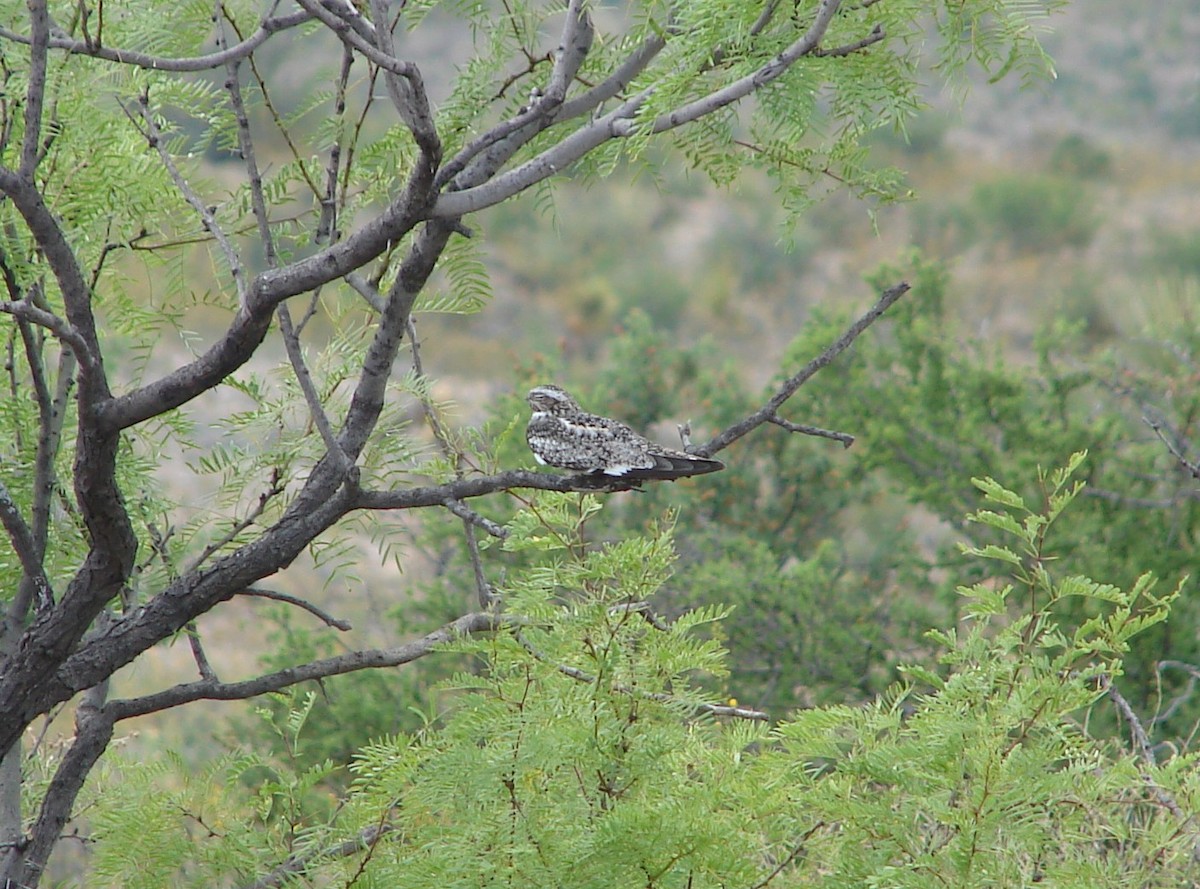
[[614, 446]]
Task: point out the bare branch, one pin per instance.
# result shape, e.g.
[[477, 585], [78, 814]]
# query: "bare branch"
[[877, 34], [291, 339], [1142, 747], [198, 655], [266, 291], [476, 622], [1192, 468], [792, 856], [367, 401], [481, 485], [735, 712], [1180, 699], [319, 613], [408, 93], [349, 30], [764, 17], [844, 437], [93, 733], [573, 48], [498, 144], [549, 163], [26, 549], [274, 489], [366, 290], [267, 27], [744, 86], [644, 609], [470, 516], [27, 311], [76, 293], [327, 222], [768, 412], [35, 93]]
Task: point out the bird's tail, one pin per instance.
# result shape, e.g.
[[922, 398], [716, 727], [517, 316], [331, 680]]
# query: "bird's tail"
[[673, 466]]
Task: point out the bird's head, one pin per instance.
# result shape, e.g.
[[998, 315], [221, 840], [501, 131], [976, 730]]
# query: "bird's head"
[[551, 400]]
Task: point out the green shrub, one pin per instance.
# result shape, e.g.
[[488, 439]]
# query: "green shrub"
[[1037, 213]]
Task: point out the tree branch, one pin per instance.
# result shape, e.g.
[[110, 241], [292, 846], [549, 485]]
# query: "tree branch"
[[207, 219], [744, 86], [93, 732], [26, 549], [574, 45], [475, 622], [1192, 468], [319, 613], [35, 92], [266, 28], [63, 331], [76, 293], [768, 412], [291, 338], [844, 437], [1141, 745], [622, 122], [266, 291]]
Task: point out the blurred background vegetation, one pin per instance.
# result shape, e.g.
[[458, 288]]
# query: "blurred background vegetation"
[[1054, 247]]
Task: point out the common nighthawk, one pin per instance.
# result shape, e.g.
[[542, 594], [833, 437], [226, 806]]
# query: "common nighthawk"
[[560, 433]]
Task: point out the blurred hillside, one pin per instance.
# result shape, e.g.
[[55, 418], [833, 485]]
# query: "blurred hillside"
[[1078, 196]]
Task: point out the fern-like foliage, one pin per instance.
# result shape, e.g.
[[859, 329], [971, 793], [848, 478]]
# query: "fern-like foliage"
[[580, 751]]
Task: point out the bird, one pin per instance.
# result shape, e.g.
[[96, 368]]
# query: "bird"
[[561, 433]]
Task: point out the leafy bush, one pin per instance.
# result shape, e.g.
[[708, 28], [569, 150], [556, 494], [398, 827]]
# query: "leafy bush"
[[1176, 252], [1036, 214], [586, 754], [1077, 157]]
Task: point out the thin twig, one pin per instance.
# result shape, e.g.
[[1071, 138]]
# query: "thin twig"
[[319, 613], [1180, 699], [799, 847], [198, 655], [258, 202], [587, 678], [644, 609], [267, 27], [274, 489], [470, 516], [1192, 468], [298, 864], [768, 413], [149, 129], [844, 437], [877, 34], [27, 551], [327, 229], [1142, 747]]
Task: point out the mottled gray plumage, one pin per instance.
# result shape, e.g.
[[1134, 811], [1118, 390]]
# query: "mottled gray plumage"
[[560, 433]]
